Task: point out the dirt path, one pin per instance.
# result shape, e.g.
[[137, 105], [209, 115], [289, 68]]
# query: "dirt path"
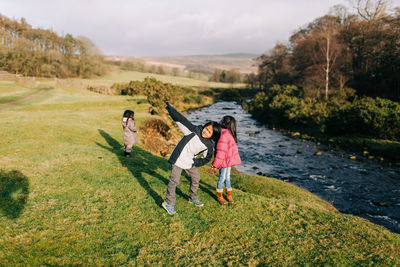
[[28, 99]]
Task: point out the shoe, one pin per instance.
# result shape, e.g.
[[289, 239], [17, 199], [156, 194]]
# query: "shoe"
[[220, 198], [229, 196], [196, 202], [169, 208], [127, 154]]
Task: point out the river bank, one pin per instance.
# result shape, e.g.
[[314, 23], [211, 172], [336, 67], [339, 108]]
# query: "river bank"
[[370, 126], [385, 152]]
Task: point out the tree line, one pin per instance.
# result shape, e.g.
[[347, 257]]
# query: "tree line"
[[226, 76], [339, 50], [337, 76], [38, 52]]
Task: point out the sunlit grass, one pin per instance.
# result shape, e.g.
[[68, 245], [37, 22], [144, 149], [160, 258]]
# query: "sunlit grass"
[[88, 205], [10, 91]]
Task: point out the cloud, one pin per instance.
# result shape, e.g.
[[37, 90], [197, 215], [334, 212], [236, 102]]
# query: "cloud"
[[173, 27]]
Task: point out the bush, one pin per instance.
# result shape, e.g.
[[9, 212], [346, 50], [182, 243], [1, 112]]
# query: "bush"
[[344, 113], [230, 94], [379, 117], [158, 93]]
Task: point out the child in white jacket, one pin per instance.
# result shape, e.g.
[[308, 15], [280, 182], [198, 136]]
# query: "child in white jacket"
[[128, 125], [197, 140]]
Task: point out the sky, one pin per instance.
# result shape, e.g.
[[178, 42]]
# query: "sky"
[[173, 27]]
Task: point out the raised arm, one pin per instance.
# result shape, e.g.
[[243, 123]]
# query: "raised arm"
[[184, 124]]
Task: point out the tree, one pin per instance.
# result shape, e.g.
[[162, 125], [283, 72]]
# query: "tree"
[[370, 9], [251, 79], [232, 76], [38, 52], [375, 56], [316, 51], [216, 76], [325, 37], [274, 67], [175, 71]]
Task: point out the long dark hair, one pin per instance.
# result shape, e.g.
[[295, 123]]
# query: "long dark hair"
[[229, 123], [128, 114], [216, 130]]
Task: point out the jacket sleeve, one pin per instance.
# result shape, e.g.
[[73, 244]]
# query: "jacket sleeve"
[[198, 162], [220, 152], [184, 124], [131, 126]]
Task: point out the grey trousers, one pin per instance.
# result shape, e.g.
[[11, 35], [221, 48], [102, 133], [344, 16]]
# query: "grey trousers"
[[174, 181]]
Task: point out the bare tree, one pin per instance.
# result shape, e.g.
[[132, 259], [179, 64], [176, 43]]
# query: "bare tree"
[[371, 9], [325, 39]]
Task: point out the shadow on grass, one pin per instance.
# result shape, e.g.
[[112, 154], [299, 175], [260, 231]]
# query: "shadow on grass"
[[207, 188], [14, 191], [142, 162]]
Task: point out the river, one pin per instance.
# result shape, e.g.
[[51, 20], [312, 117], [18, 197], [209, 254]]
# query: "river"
[[361, 187]]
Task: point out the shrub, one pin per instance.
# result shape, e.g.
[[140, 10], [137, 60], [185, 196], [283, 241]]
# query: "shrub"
[[344, 113], [230, 94], [158, 93]]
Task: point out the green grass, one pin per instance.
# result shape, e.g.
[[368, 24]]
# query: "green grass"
[[10, 91], [68, 197]]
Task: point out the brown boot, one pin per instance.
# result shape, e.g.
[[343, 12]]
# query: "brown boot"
[[229, 195], [221, 199]]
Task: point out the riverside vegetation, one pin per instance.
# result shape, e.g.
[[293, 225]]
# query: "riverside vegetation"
[[345, 117], [69, 197]]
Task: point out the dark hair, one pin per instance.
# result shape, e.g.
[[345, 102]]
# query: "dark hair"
[[216, 130], [229, 123], [128, 114]]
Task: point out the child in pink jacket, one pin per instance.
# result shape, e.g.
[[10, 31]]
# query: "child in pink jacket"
[[226, 156]]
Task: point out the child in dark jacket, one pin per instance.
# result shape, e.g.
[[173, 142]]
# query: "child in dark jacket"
[[226, 156], [196, 140], [128, 125]]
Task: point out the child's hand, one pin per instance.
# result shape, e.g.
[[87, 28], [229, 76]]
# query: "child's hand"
[[214, 170], [168, 107]]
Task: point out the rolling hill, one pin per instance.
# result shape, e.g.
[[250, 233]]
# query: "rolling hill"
[[243, 62]]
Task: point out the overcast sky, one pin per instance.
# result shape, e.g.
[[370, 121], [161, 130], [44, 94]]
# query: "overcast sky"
[[173, 27]]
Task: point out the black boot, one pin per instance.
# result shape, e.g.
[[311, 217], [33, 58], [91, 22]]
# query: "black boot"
[[127, 154]]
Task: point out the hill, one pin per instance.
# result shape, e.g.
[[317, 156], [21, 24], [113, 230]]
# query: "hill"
[[69, 197], [243, 62]]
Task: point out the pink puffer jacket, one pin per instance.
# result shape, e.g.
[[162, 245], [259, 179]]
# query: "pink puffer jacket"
[[227, 152]]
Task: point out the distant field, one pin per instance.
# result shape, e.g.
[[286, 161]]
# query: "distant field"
[[9, 88], [243, 62], [126, 76]]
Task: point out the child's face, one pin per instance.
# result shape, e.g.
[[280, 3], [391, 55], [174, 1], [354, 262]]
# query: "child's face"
[[207, 131]]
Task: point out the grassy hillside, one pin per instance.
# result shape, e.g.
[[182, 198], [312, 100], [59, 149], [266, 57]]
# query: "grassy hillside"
[[68, 197]]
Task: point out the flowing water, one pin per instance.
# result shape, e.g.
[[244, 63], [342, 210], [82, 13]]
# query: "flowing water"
[[361, 187]]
